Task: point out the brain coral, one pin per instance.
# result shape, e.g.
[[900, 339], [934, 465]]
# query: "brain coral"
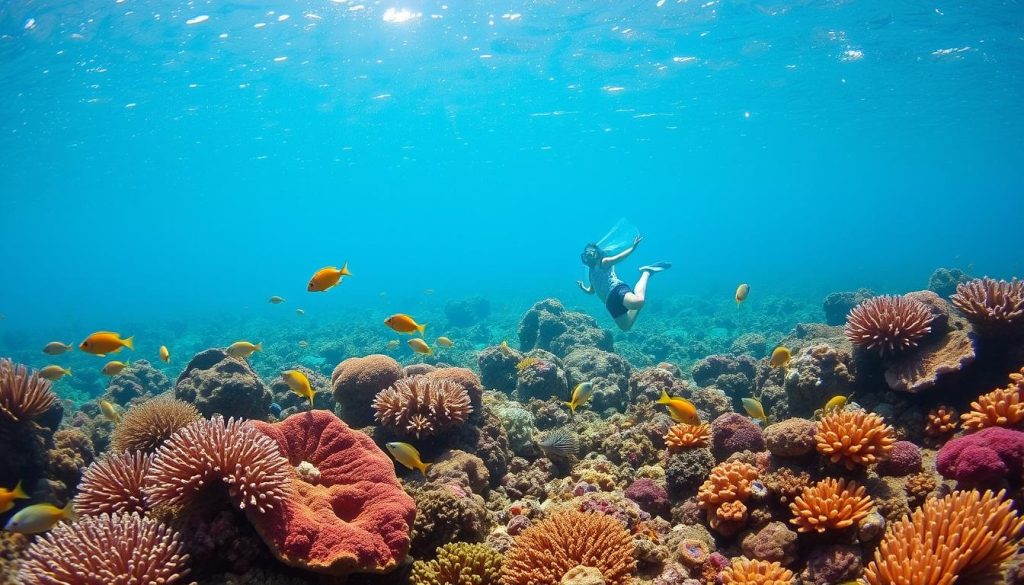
[[543, 553], [991, 305], [23, 396], [963, 538], [106, 550], [460, 563], [889, 324], [746, 572], [146, 426], [347, 512], [830, 505], [356, 381], [421, 406], [854, 438], [113, 485], [724, 493], [217, 383], [1002, 407], [684, 436], [991, 456]]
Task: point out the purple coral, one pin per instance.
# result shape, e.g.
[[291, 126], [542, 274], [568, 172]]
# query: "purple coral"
[[733, 432], [904, 459], [651, 497], [986, 458]]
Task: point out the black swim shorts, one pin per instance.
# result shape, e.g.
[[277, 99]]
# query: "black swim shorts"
[[615, 297]]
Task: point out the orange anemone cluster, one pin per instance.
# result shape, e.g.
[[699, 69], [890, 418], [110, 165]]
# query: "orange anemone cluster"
[[854, 438], [991, 304], [724, 493], [23, 396], [756, 572], [889, 324], [963, 538], [685, 436], [830, 505], [1002, 407], [422, 407], [941, 424]]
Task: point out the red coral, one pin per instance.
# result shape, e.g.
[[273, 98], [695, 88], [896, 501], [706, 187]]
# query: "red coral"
[[114, 484], [349, 513], [890, 324], [421, 406]]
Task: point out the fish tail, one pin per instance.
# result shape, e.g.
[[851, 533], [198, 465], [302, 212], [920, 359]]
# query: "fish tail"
[[258, 347], [68, 511], [129, 343], [572, 407], [19, 492], [312, 394], [344, 270], [664, 397], [423, 467], [421, 328], [67, 372]]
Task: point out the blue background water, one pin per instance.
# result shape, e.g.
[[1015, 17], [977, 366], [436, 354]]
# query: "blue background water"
[[152, 169]]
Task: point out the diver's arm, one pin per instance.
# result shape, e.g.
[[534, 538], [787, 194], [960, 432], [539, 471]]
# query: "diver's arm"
[[612, 260], [587, 289]]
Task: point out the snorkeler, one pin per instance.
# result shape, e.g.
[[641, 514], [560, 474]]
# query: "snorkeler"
[[623, 303]]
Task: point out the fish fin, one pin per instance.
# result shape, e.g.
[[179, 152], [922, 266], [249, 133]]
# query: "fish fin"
[[19, 493], [312, 395], [344, 270], [67, 372], [423, 468], [572, 407], [421, 327], [129, 343], [664, 397], [258, 347], [101, 355], [68, 511]]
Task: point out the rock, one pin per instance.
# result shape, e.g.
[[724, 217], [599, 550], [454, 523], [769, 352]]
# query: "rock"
[[356, 381], [838, 305], [791, 438], [548, 325], [467, 312], [217, 383], [607, 371]]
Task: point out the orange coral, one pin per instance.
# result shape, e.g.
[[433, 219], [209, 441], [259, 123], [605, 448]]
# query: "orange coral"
[[146, 426], [23, 397], [546, 551], [991, 304], [830, 505], [1002, 407], [854, 438], [684, 436], [724, 493], [942, 423], [746, 572], [422, 407], [968, 535]]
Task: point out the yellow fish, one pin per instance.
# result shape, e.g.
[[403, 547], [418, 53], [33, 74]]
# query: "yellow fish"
[[165, 355], [741, 293], [39, 518], [403, 323], [780, 357], [103, 342], [680, 409], [114, 368], [109, 411], [276, 300], [408, 456], [327, 278], [393, 344], [54, 373], [505, 349], [300, 312], [7, 497], [420, 346], [56, 348], [243, 349], [754, 409], [299, 384], [445, 342], [836, 403], [580, 394]]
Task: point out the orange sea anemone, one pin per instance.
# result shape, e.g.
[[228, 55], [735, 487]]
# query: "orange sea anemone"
[[756, 572], [114, 484], [942, 423], [146, 426], [830, 505], [1002, 407], [23, 396], [854, 438], [684, 436], [422, 407], [889, 324], [723, 495], [991, 305], [964, 538]]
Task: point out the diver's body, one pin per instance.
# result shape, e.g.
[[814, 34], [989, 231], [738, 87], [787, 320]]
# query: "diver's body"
[[623, 303]]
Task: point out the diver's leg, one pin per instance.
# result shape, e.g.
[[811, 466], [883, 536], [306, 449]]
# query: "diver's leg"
[[635, 300], [625, 321]]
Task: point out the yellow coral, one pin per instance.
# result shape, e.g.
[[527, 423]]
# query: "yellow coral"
[[723, 495], [685, 436], [526, 363], [830, 505], [1002, 407], [854, 438], [460, 563], [747, 572]]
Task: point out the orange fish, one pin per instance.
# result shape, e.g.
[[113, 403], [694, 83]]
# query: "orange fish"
[[327, 278], [103, 342], [741, 293], [404, 324], [7, 497]]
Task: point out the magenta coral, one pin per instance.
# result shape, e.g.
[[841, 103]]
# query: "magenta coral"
[[732, 432], [114, 484], [985, 458], [890, 324], [422, 406], [651, 497], [904, 459]]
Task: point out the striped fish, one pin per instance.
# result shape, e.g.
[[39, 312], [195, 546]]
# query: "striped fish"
[[560, 444]]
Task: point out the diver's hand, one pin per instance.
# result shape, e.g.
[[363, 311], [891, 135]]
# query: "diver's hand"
[[636, 241], [579, 283]]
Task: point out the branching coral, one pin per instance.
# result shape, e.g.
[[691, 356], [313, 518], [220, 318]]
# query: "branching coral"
[[114, 484], [991, 305], [545, 552], [747, 572], [724, 493], [941, 424], [422, 407], [105, 550], [685, 436], [210, 453], [830, 505], [460, 563], [23, 396], [146, 426], [1002, 407], [854, 438], [890, 324], [965, 537]]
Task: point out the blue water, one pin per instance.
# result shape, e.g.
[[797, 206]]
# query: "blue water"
[[158, 171]]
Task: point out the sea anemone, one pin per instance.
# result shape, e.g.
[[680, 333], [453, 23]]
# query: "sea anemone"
[[890, 324], [724, 493], [146, 426], [104, 550], [460, 563], [966, 535], [830, 505], [756, 572], [421, 406], [991, 305], [543, 553], [1002, 407], [941, 424], [209, 453], [854, 438], [23, 397], [114, 485], [684, 436]]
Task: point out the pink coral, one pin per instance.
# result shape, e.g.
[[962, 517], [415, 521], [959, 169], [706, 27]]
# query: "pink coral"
[[114, 484], [889, 324], [23, 396], [991, 305], [990, 456], [421, 406]]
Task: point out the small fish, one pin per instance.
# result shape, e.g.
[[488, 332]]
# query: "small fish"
[[300, 312], [408, 456], [110, 411], [276, 300], [56, 348], [560, 444], [327, 278], [299, 384], [114, 368], [780, 357], [243, 349], [7, 497], [420, 346], [303, 344], [39, 518], [505, 349], [103, 342], [165, 355], [741, 293], [54, 373], [393, 344], [580, 394], [754, 409], [680, 409], [836, 403], [403, 323], [445, 342]]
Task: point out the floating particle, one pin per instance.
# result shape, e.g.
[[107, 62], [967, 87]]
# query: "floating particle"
[[613, 88], [131, 105], [660, 3], [198, 19], [283, 17], [30, 24], [222, 36], [400, 15], [259, 25], [280, 59]]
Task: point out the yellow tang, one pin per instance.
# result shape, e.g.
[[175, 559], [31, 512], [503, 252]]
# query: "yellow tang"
[[109, 411], [420, 346], [276, 300], [445, 342], [243, 349], [165, 355], [403, 323], [39, 518], [299, 384], [780, 357], [408, 456], [54, 373], [680, 409], [7, 497], [114, 368], [836, 403], [754, 408], [580, 394], [56, 348], [741, 293], [103, 342], [505, 349], [327, 278]]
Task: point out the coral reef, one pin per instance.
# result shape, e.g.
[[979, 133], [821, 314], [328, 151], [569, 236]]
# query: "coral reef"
[[446, 513], [992, 306], [732, 432], [421, 407], [114, 485], [356, 381], [830, 505], [24, 397], [1002, 407], [217, 383], [747, 572], [838, 305], [947, 350], [944, 281], [724, 494], [541, 375], [548, 325], [990, 456], [460, 563], [467, 312], [686, 470], [608, 372], [904, 459], [854, 438], [888, 324], [684, 436], [140, 379], [774, 542], [733, 373], [146, 426], [792, 437]]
